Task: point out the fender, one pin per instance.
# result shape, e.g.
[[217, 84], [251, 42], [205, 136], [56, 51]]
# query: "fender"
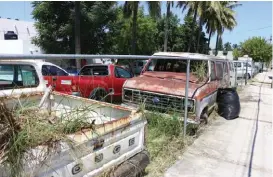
[[95, 90], [88, 86], [205, 103]]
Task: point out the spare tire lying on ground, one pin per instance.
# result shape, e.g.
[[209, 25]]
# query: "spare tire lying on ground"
[[228, 103]]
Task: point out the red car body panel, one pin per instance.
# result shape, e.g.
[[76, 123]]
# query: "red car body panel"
[[86, 84]]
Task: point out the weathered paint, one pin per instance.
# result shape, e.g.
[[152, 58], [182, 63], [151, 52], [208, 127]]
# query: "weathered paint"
[[173, 83], [163, 82]]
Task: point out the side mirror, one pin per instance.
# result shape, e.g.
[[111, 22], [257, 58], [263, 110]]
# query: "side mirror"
[[270, 77]]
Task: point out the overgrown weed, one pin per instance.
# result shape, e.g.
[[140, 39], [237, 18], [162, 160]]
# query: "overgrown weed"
[[165, 142]]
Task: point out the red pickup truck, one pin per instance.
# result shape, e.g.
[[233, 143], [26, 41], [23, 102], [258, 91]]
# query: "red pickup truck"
[[96, 81]]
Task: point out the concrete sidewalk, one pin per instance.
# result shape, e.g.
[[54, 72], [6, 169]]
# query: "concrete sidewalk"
[[234, 148]]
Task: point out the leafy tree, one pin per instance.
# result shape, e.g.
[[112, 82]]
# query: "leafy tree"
[[184, 36], [236, 53], [257, 48], [119, 34], [78, 32], [227, 46], [169, 4], [56, 27], [173, 32], [130, 8], [235, 46], [192, 7]]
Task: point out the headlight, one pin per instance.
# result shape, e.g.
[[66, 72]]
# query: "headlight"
[[127, 94], [190, 105]]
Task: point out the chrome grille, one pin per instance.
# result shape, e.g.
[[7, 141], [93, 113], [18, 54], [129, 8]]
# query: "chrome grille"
[[155, 101]]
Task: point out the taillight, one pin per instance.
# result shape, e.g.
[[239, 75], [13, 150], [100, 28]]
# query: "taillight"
[[74, 88]]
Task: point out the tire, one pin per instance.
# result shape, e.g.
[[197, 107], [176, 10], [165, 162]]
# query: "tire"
[[248, 76], [98, 94], [204, 116]]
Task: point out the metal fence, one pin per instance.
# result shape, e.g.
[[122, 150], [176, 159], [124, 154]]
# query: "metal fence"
[[187, 57]]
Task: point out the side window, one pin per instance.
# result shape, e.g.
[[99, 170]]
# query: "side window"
[[6, 74], [49, 70], [45, 70], [94, 71], [141, 64], [225, 67], [28, 74], [248, 65], [85, 71], [23, 76], [213, 74], [238, 64], [219, 70], [122, 73], [60, 72]]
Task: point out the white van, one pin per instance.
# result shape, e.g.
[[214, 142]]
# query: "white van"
[[242, 71], [232, 75]]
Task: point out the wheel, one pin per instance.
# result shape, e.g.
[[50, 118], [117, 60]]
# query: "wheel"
[[98, 94], [248, 76], [204, 117]]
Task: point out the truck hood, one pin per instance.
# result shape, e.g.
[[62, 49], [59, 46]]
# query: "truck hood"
[[163, 82]]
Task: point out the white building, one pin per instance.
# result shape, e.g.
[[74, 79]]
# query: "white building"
[[228, 56], [24, 31]]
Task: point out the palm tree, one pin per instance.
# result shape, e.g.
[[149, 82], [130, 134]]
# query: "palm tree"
[[228, 20], [169, 4], [192, 7], [219, 17], [202, 13], [130, 8]]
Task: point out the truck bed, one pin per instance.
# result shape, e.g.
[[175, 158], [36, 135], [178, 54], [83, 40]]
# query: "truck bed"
[[115, 128]]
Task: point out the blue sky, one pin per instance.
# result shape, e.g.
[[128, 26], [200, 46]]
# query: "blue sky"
[[254, 18]]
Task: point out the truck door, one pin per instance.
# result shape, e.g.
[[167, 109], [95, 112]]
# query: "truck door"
[[213, 84], [91, 77], [120, 76], [58, 78]]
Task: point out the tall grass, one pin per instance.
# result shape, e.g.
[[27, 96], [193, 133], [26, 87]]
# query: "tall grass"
[[25, 128], [165, 141], [200, 71]]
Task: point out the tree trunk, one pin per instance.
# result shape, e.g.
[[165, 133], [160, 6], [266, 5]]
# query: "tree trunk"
[[199, 33], [77, 33], [210, 34], [134, 27], [216, 46], [192, 27], [167, 26], [134, 33]]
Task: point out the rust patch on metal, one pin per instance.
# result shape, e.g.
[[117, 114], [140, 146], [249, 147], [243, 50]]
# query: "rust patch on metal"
[[163, 82]]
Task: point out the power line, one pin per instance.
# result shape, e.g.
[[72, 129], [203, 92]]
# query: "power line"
[[260, 28], [253, 29]]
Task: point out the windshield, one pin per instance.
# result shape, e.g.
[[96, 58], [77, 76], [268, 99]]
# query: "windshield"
[[173, 65]]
